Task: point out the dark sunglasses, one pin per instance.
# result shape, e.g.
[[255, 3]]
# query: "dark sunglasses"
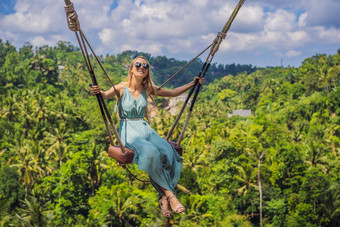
[[144, 65]]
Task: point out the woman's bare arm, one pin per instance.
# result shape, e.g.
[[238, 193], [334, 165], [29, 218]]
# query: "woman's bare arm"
[[178, 90], [95, 89]]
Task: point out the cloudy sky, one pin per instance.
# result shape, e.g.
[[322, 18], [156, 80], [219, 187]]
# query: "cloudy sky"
[[264, 33]]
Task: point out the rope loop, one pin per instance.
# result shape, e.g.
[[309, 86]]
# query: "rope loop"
[[217, 42], [72, 17]]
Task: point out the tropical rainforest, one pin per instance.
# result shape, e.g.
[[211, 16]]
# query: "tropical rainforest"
[[278, 167]]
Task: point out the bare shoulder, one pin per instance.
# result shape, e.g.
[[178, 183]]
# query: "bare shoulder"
[[120, 86]]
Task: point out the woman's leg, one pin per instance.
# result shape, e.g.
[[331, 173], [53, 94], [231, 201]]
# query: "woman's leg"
[[164, 206], [176, 206]]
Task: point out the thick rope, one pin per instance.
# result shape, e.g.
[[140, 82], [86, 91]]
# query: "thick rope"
[[216, 44], [71, 17], [100, 64], [185, 66], [74, 25]]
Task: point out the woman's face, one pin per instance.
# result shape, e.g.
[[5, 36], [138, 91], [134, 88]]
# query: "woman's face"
[[140, 68]]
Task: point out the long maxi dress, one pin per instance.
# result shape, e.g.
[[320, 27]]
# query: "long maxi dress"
[[153, 154]]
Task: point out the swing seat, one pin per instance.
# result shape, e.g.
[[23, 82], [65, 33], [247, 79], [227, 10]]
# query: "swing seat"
[[115, 152]]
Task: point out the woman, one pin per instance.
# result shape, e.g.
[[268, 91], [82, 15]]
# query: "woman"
[[153, 154]]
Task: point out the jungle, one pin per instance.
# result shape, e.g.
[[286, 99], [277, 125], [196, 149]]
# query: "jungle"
[[277, 167]]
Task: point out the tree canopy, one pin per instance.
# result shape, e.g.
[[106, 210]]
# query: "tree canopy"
[[278, 167]]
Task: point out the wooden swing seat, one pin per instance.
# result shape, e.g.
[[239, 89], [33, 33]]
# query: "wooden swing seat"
[[127, 157]]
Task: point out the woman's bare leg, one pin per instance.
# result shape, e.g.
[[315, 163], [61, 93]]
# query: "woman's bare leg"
[[164, 206], [173, 201]]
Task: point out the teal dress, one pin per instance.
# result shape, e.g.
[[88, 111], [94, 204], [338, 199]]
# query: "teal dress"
[[153, 154]]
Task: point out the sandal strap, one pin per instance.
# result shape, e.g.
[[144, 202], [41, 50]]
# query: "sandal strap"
[[171, 197], [179, 206]]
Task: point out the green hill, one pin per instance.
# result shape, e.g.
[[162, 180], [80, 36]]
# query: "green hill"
[[54, 170]]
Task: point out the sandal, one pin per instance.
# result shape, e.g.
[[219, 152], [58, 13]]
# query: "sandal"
[[179, 208], [165, 211]]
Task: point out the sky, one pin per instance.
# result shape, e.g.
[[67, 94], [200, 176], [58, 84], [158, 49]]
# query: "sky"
[[264, 33]]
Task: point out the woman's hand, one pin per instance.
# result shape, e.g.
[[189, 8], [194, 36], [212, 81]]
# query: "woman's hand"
[[95, 89], [200, 80]]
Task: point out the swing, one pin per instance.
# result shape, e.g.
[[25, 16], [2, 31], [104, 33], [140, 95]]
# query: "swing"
[[126, 157], [119, 152]]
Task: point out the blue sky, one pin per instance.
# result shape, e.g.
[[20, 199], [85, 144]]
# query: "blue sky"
[[265, 32]]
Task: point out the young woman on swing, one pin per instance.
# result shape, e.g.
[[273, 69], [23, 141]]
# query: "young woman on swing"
[[153, 154]]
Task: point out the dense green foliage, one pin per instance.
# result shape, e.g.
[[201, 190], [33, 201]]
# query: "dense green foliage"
[[54, 170]]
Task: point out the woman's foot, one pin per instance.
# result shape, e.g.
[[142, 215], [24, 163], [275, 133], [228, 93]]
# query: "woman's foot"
[[176, 206], [164, 206]]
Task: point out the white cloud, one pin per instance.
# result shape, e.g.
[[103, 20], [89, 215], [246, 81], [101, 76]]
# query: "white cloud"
[[331, 35], [179, 27], [302, 20], [280, 21], [40, 41], [298, 37], [249, 19], [106, 36], [293, 53]]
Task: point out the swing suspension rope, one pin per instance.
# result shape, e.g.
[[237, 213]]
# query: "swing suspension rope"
[[197, 86], [74, 25]]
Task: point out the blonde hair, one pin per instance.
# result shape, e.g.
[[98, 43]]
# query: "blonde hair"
[[147, 82]]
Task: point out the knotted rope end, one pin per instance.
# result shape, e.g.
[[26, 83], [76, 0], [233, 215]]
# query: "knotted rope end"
[[72, 17]]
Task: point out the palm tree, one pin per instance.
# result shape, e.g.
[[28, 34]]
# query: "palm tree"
[[57, 146], [315, 156], [122, 208], [260, 183], [56, 142], [25, 107], [114, 205], [11, 107], [331, 204], [192, 156], [246, 177], [34, 212], [96, 164], [27, 163]]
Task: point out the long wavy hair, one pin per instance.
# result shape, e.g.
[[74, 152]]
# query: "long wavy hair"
[[147, 82]]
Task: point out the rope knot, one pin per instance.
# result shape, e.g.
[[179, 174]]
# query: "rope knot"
[[72, 17], [217, 42], [221, 35]]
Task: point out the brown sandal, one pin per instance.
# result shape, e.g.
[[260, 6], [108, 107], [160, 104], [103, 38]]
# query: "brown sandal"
[[165, 212], [179, 208]]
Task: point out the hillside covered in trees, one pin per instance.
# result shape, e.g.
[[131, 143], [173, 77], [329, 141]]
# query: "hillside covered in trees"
[[281, 163]]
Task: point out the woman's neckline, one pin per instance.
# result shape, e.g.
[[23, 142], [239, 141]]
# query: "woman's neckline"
[[132, 94]]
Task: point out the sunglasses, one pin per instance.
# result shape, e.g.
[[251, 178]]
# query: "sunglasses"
[[144, 65]]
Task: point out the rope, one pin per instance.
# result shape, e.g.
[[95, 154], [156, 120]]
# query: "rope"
[[74, 25], [71, 17], [184, 66], [216, 44], [131, 174], [100, 64]]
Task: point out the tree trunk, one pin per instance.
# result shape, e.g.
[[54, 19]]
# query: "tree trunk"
[[260, 184], [260, 190]]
